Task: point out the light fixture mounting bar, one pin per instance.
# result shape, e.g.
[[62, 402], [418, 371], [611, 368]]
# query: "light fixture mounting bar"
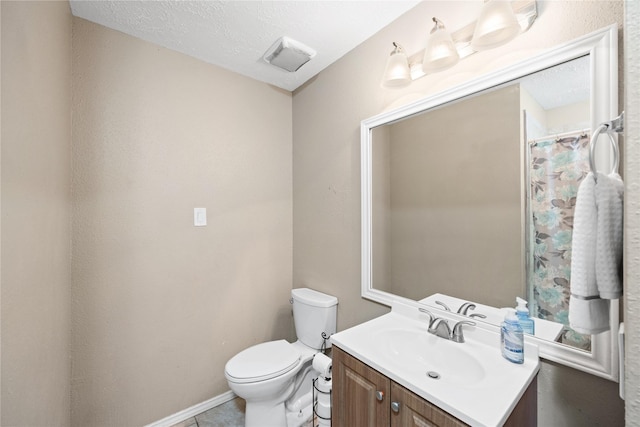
[[526, 12]]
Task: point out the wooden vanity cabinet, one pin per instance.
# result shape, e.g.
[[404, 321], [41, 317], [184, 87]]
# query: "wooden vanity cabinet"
[[363, 397], [360, 394]]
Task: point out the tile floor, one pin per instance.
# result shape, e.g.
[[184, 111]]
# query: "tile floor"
[[229, 414]]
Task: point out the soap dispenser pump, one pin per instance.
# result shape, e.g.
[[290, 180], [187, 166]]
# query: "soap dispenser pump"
[[527, 323]]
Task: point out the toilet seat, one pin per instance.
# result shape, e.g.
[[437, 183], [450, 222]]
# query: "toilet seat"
[[262, 362]]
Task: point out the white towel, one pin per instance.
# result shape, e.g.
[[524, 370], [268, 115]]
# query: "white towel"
[[609, 195], [596, 252], [589, 316]]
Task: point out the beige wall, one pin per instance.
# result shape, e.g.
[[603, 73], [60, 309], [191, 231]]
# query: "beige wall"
[[326, 162], [36, 206], [159, 305], [568, 117], [448, 201]]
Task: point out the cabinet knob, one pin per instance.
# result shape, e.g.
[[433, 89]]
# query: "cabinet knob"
[[380, 395], [395, 407]]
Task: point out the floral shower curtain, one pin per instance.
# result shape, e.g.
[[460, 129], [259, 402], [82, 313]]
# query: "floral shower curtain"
[[556, 167]]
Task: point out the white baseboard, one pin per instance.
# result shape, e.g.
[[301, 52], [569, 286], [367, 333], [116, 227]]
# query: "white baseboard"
[[185, 414]]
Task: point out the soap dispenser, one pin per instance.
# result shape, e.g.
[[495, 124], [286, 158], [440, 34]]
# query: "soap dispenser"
[[527, 323], [511, 338]]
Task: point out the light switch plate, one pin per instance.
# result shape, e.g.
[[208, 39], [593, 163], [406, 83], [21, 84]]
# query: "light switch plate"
[[199, 217]]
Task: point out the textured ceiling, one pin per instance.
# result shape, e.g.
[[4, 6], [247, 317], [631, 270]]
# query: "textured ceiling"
[[564, 84], [236, 34]]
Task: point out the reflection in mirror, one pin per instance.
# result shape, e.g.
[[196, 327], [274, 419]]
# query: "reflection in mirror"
[[467, 195], [557, 160], [447, 201], [451, 185]]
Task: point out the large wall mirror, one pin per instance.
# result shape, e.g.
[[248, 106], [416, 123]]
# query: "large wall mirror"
[[467, 196]]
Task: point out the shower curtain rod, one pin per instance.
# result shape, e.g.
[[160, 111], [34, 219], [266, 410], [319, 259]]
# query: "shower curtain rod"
[[558, 136]]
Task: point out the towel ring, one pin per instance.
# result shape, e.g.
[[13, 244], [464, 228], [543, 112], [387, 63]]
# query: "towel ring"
[[592, 150]]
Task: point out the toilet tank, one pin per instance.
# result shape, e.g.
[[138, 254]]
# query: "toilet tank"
[[313, 314]]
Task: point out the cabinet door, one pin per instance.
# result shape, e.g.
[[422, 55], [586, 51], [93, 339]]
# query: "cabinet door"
[[526, 411], [360, 394], [413, 411]]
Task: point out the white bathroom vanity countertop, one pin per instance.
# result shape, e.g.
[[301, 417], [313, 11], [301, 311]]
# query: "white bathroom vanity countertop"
[[476, 385]]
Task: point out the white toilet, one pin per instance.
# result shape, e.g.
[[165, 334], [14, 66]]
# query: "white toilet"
[[275, 377]]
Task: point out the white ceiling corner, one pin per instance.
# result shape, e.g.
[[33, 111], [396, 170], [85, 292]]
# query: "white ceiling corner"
[[561, 85], [235, 34]]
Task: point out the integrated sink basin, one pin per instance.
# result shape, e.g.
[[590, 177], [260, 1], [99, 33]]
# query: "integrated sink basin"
[[470, 380], [430, 355]]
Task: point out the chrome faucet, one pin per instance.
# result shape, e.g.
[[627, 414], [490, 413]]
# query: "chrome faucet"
[[464, 309], [440, 303], [439, 327]]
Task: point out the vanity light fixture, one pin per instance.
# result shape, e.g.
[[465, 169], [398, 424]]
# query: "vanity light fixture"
[[440, 52], [497, 25], [485, 33], [397, 73]]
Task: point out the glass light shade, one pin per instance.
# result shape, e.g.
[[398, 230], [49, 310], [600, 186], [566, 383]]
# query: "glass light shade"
[[440, 52], [397, 73], [496, 26]]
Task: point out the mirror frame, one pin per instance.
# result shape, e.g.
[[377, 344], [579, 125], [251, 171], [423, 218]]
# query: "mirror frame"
[[602, 48]]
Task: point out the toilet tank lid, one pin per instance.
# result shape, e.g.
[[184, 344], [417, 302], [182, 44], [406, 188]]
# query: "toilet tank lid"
[[314, 298]]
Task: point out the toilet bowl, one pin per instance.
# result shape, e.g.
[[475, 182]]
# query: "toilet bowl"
[[275, 377]]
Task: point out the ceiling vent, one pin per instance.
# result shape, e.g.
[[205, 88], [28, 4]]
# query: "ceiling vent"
[[288, 54]]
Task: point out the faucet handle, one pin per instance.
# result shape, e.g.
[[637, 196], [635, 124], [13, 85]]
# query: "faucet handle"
[[446, 308], [428, 313], [478, 315], [456, 334]]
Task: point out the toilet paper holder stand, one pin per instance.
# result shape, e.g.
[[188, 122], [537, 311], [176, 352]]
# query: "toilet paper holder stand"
[[322, 393]]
